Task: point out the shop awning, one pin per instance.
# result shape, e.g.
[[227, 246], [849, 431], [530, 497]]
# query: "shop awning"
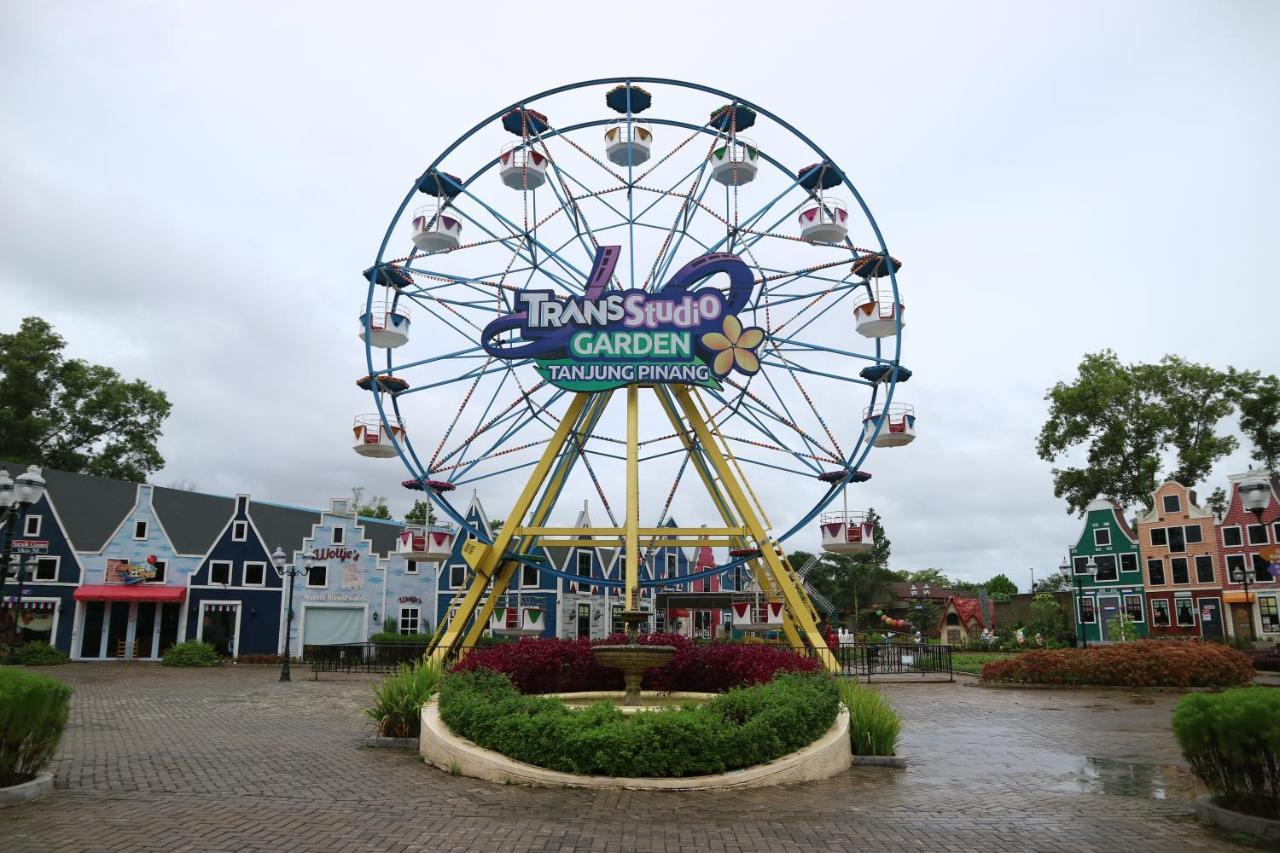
[[1238, 597], [130, 592]]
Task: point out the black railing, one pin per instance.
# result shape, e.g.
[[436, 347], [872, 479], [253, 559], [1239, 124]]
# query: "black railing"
[[361, 657], [867, 660]]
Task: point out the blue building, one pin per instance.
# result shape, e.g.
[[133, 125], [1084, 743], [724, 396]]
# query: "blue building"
[[47, 608]]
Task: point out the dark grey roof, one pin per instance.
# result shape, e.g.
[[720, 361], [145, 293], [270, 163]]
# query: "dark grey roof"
[[192, 520], [285, 526], [381, 533], [91, 508]]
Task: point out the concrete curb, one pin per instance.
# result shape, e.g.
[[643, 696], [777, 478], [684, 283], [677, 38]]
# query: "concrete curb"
[[1009, 685], [822, 759], [27, 791], [878, 761], [380, 742], [1264, 829]]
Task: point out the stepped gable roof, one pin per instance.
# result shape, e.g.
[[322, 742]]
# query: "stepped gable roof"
[[91, 508]]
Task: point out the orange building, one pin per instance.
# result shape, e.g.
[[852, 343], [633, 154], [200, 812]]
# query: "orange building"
[[1179, 550]]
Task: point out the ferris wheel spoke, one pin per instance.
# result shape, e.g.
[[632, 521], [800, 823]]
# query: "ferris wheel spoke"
[[469, 352], [484, 370], [752, 415], [688, 206], [501, 417], [805, 345], [813, 443], [521, 419], [518, 233], [756, 216]]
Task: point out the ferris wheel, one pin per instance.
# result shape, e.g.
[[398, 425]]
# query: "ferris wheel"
[[646, 291]]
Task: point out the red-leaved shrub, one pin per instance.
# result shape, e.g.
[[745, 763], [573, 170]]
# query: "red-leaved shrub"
[[548, 665], [1144, 663]]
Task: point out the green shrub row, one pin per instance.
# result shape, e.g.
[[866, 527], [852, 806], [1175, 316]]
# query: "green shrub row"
[[33, 713], [1232, 741], [398, 698], [741, 728], [37, 653], [190, 653]]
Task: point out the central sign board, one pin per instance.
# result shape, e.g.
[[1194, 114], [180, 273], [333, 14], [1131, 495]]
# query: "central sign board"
[[678, 334], [30, 546]]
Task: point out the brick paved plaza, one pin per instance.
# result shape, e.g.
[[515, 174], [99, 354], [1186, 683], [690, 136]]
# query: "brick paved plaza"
[[229, 760]]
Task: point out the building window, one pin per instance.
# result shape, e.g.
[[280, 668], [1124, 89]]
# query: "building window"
[[1106, 568], [1102, 537], [584, 566], [158, 575], [1204, 569], [339, 535], [409, 620], [318, 577], [255, 574], [1261, 572], [220, 572], [31, 525], [1172, 504], [1128, 562], [1178, 567], [1275, 532], [1186, 613], [1133, 607], [139, 530], [239, 531], [529, 576], [615, 622], [1087, 616], [1270, 615], [46, 569], [1231, 537], [1160, 612], [1257, 534], [1155, 570], [410, 567], [1177, 544], [457, 575], [671, 565], [737, 578], [1235, 563], [1158, 536], [1193, 534], [1079, 565]]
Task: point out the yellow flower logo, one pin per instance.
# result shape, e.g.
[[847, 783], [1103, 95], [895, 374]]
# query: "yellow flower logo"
[[734, 347]]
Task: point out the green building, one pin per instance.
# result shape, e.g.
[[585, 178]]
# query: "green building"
[[1116, 587]]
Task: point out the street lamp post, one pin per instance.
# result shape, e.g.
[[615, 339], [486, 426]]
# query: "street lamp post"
[[1090, 569], [16, 495], [1241, 575], [918, 595], [283, 570], [1254, 496]]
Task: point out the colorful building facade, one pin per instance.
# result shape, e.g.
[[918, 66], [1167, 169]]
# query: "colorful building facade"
[[1179, 552], [1254, 614], [1116, 587]]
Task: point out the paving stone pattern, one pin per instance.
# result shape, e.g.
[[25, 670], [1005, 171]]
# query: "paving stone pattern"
[[158, 759]]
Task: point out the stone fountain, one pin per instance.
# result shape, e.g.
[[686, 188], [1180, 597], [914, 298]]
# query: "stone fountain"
[[633, 659]]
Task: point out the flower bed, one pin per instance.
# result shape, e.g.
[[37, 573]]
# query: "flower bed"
[[744, 727], [1143, 663], [547, 665]]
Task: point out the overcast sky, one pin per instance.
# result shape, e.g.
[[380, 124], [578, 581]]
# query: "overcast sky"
[[189, 191]]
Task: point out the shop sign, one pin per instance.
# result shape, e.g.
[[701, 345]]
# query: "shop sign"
[[331, 596], [30, 546], [608, 339], [410, 599], [341, 554]]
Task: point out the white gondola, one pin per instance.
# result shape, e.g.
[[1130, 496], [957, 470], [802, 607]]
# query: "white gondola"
[[756, 616], [899, 425], [623, 150], [517, 621], [436, 230], [375, 440], [847, 533], [876, 315], [388, 324], [735, 162], [521, 168], [432, 543], [826, 220]]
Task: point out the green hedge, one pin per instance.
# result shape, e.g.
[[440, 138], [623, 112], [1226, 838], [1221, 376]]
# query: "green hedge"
[[40, 654], [33, 713], [741, 728], [397, 637], [190, 653], [1232, 740]]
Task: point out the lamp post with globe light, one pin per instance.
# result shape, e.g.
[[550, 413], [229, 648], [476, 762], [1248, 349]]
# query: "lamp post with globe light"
[[283, 570], [16, 495], [1255, 496], [1090, 569]]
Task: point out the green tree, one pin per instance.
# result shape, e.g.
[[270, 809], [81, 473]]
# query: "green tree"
[[72, 415], [421, 513], [1054, 582], [376, 507], [1195, 399], [1258, 398], [1001, 586], [852, 581], [1217, 503]]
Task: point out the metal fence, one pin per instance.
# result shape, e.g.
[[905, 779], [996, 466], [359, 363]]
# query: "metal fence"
[[867, 660], [361, 657]]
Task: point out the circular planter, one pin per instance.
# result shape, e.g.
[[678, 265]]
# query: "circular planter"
[[1261, 828], [822, 759], [27, 791], [380, 742], [878, 761]]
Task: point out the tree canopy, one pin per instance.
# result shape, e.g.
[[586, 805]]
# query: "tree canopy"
[[421, 513], [1130, 417], [72, 415], [1000, 585], [375, 507]]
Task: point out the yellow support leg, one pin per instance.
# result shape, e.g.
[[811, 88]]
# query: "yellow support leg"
[[633, 498], [793, 596]]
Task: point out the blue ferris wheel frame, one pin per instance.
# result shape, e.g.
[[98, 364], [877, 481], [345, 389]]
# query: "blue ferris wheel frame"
[[856, 456]]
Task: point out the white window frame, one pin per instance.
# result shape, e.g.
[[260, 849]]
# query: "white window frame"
[[1248, 534], [339, 535], [1214, 569], [244, 573], [1235, 561], [410, 567], [311, 584], [1199, 529], [239, 531], [1137, 566], [1239, 535], [1115, 564], [28, 529], [673, 565], [230, 572], [1194, 616], [461, 570], [1093, 610], [416, 619], [1173, 578], [524, 580], [1162, 604], [35, 569], [1142, 610], [146, 528], [1106, 534], [1151, 535], [590, 575], [1164, 574], [162, 569], [1164, 502]]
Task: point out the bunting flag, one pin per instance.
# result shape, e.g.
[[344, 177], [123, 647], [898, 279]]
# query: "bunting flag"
[[220, 608], [775, 612], [10, 600]]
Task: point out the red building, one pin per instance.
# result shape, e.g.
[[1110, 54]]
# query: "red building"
[[1241, 541]]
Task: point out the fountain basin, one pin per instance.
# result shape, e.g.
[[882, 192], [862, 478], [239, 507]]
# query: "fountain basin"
[[634, 661]]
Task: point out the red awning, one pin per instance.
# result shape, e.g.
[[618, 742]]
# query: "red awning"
[[130, 592]]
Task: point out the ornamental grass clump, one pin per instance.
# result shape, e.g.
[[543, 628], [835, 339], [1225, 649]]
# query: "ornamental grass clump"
[[398, 698], [1143, 663], [874, 724], [1232, 741], [33, 713]]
